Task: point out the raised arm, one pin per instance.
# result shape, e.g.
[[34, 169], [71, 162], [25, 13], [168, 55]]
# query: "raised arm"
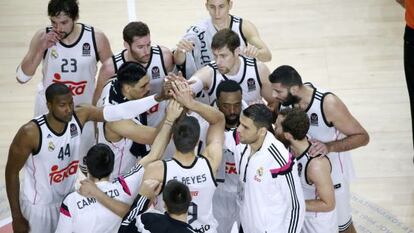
[[40, 42], [157, 149], [262, 52], [124, 111], [24, 143], [215, 134]]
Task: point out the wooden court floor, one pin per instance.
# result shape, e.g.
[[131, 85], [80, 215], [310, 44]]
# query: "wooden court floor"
[[353, 48]]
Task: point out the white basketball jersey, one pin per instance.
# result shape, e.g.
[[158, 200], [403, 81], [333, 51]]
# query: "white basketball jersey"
[[50, 172], [200, 180], [248, 78], [201, 35], [83, 214], [227, 175], [73, 65], [315, 222], [320, 129], [156, 70]]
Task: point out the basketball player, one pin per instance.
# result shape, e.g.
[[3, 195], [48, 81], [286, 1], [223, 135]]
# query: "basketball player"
[[193, 51], [177, 199], [129, 138], [334, 131], [48, 149], [157, 60], [225, 207], [314, 172], [229, 64], [197, 172], [270, 194], [82, 214], [69, 52]]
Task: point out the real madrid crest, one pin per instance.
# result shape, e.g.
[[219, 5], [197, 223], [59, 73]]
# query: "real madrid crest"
[[54, 53], [51, 146], [259, 174]]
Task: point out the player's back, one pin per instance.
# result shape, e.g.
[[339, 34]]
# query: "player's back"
[[86, 215]]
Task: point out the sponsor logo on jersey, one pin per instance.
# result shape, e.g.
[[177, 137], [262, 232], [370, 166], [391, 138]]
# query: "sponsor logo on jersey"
[[251, 84], [300, 167], [51, 146], [314, 119], [77, 88], [153, 109], [57, 176], [86, 49], [155, 72], [259, 174], [73, 130], [49, 136], [54, 53], [231, 168]]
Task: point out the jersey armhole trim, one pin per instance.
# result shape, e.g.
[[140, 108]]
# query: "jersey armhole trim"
[[39, 146], [78, 121], [94, 44], [213, 86], [209, 168], [162, 60], [257, 73], [164, 180], [322, 111], [241, 32]]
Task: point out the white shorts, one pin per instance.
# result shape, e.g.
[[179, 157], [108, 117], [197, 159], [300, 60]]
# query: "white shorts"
[[343, 206], [41, 218], [225, 210], [325, 222]]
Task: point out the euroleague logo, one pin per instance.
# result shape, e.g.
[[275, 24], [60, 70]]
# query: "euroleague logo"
[[77, 88]]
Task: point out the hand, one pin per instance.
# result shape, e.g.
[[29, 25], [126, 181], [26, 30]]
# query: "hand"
[[182, 93], [250, 51], [150, 188], [317, 148], [49, 39], [171, 77], [174, 110], [88, 188], [185, 46], [20, 225]]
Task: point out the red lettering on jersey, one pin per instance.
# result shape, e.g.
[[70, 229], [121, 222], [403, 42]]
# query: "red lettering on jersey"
[[231, 168], [194, 193], [57, 176], [153, 109], [77, 88]]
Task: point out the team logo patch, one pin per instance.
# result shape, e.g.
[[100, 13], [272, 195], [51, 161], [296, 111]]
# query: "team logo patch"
[[49, 136], [155, 72], [54, 53], [300, 167], [314, 119], [259, 174], [251, 84], [51, 146], [86, 49], [73, 130]]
